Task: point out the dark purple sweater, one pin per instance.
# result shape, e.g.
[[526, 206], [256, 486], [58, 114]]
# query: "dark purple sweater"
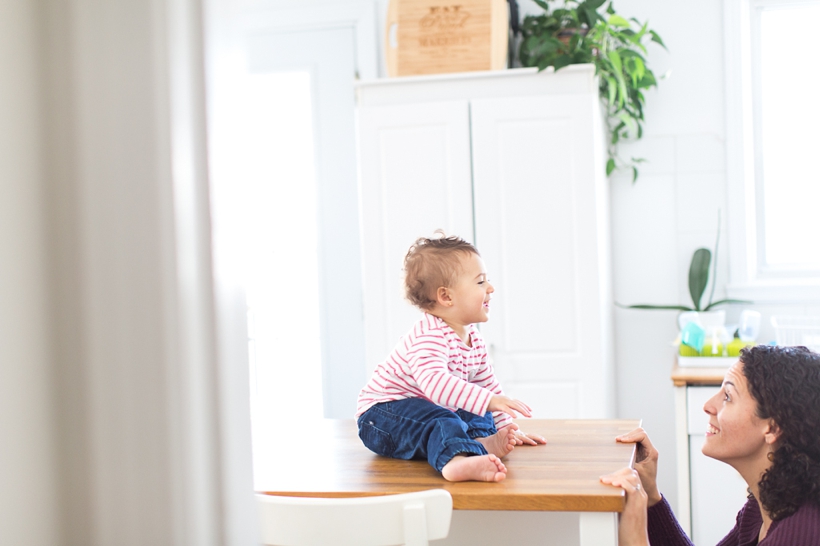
[[800, 529]]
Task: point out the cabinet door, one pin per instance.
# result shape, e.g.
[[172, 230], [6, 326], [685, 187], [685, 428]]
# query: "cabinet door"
[[415, 178], [541, 214]]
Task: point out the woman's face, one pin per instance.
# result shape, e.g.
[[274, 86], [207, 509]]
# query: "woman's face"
[[735, 434]]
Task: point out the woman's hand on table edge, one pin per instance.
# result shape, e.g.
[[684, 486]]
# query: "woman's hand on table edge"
[[646, 462], [632, 524]]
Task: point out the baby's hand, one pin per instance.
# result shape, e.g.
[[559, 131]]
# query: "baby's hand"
[[509, 406], [522, 437]]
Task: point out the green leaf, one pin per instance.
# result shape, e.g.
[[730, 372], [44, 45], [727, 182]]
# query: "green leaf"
[[610, 166], [629, 122], [658, 307], [561, 61], [699, 275], [594, 4], [634, 174], [631, 53], [542, 4], [591, 16], [612, 89], [618, 21], [618, 70], [641, 32], [726, 301], [714, 267], [657, 39]]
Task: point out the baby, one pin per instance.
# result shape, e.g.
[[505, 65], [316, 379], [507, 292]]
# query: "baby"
[[435, 397]]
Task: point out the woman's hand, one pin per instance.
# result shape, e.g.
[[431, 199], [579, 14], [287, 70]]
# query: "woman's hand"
[[646, 462], [522, 437], [509, 406], [632, 523]]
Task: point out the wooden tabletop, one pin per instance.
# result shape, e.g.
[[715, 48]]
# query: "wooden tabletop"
[[327, 459], [682, 377]]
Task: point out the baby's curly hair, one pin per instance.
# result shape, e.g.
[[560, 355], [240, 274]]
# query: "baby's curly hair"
[[785, 383], [432, 263]]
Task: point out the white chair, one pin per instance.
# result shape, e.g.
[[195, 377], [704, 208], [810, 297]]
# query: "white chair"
[[410, 519]]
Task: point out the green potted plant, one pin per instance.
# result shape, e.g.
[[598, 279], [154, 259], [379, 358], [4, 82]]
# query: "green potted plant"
[[578, 33]]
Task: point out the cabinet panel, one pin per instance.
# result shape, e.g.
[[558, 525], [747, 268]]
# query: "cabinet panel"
[[696, 418], [714, 509], [416, 178], [539, 229]]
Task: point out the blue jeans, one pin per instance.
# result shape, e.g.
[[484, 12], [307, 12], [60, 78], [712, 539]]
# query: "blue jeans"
[[415, 428]]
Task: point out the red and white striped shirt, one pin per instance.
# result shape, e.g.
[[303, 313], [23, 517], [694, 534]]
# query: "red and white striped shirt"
[[432, 362]]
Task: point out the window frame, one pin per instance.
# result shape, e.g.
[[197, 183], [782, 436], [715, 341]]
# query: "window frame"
[[750, 278]]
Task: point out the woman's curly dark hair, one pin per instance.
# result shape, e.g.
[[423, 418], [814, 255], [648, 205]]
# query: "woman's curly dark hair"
[[785, 383]]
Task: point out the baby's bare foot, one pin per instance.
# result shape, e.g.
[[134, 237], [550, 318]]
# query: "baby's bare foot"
[[482, 468], [502, 442]]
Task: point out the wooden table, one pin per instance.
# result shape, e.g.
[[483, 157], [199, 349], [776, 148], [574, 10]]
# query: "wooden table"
[[681, 379], [327, 459]]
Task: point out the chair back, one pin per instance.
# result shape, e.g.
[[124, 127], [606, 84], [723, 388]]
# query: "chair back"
[[411, 519]]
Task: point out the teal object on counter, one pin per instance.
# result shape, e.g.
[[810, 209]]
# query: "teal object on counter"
[[693, 335]]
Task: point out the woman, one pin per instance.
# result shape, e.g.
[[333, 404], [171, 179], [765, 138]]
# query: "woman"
[[764, 422]]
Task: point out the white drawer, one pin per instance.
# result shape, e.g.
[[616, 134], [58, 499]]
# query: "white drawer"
[[695, 416]]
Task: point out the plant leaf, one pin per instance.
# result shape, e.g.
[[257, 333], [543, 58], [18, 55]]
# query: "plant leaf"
[[594, 4], [657, 39], [542, 4], [561, 61], [618, 21], [714, 268], [657, 307], [699, 275], [722, 302], [634, 174], [591, 16], [612, 89], [610, 166]]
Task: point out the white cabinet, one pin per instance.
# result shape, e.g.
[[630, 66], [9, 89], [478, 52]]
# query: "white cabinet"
[[512, 160]]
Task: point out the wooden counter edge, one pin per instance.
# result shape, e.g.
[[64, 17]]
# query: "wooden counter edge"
[[523, 502], [682, 377]]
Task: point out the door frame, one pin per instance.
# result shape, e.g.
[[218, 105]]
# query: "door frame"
[[360, 15]]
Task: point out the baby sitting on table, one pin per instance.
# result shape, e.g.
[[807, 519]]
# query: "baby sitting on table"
[[435, 397]]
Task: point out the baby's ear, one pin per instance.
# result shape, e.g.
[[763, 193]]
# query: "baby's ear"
[[443, 296]]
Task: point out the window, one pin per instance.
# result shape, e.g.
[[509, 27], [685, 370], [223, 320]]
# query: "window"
[[774, 184]]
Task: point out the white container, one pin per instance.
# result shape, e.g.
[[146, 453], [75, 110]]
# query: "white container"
[[792, 331]]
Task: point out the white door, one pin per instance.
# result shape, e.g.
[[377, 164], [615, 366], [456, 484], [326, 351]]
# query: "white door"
[[540, 215], [416, 178]]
